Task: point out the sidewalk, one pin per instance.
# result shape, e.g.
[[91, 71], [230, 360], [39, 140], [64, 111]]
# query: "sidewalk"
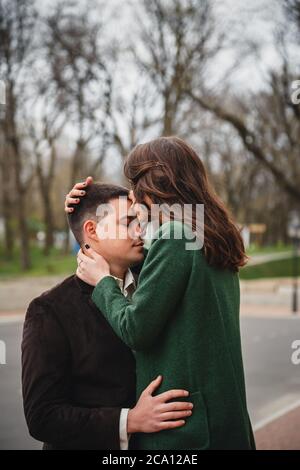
[[271, 298], [16, 294], [281, 434], [268, 298]]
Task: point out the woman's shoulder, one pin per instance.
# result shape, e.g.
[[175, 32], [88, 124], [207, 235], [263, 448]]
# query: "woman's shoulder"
[[177, 235], [175, 228]]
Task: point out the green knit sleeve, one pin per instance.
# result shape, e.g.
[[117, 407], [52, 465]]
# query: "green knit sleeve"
[[162, 284]]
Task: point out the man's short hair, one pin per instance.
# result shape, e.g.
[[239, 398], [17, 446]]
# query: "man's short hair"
[[96, 194]]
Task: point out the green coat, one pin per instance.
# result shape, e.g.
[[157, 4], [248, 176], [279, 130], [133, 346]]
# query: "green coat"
[[183, 323]]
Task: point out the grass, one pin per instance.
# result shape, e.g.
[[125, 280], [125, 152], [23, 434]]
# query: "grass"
[[54, 264], [272, 269], [257, 250], [59, 264]]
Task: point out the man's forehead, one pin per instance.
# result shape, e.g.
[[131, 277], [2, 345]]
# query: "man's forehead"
[[122, 205], [119, 207]]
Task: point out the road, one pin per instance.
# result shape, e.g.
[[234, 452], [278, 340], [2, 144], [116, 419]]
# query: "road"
[[13, 430], [273, 382]]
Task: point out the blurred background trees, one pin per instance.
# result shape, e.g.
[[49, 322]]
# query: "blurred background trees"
[[85, 81]]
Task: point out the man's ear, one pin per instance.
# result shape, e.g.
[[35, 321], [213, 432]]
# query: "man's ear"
[[89, 229]]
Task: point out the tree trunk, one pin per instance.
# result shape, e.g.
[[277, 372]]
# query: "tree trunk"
[[7, 205], [168, 118], [21, 213], [11, 141], [20, 191], [8, 229], [45, 184], [49, 225]]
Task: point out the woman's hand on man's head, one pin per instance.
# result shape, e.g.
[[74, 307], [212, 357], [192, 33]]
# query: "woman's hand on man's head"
[[77, 190]]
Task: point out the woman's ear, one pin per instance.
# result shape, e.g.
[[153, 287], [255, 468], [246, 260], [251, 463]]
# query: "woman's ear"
[[89, 229]]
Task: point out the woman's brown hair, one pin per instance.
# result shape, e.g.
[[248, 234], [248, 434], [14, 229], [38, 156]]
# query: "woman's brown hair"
[[169, 171]]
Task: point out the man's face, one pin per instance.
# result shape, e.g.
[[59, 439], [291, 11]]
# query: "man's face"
[[119, 233]]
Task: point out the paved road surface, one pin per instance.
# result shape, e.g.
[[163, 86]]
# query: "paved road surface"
[[273, 382]]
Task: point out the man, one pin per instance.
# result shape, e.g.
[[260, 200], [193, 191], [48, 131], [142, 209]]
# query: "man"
[[78, 377]]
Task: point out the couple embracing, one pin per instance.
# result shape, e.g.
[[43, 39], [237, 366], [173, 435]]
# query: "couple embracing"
[[141, 348]]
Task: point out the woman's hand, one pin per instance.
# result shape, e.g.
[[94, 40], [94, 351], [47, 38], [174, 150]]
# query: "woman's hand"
[[77, 190], [91, 269], [154, 414]]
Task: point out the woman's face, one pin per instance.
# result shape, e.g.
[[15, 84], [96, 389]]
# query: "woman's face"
[[142, 210]]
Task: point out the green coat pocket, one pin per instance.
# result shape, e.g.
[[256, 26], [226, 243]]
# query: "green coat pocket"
[[194, 435]]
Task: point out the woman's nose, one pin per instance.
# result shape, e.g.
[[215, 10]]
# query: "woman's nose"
[[132, 196], [138, 230]]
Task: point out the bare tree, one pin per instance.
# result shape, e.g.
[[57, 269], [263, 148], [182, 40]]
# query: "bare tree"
[[18, 20], [265, 139], [267, 122], [83, 85], [44, 136], [178, 40], [131, 118], [292, 9], [6, 172]]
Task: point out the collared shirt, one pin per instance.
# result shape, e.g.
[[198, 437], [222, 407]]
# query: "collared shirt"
[[127, 287]]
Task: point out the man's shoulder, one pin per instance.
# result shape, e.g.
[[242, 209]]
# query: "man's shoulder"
[[56, 294]]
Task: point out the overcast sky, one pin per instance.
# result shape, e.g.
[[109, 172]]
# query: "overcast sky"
[[256, 20]]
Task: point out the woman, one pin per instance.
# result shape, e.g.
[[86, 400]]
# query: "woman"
[[183, 319]]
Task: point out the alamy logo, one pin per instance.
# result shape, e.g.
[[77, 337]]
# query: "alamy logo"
[[295, 96], [296, 354], [2, 353], [2, 93], [189, 216], [2, 99]]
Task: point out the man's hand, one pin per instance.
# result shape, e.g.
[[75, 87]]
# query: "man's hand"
[[77, 190], [154, 414]]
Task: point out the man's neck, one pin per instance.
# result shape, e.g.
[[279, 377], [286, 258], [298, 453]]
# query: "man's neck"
[[115, 270], [118, 271]]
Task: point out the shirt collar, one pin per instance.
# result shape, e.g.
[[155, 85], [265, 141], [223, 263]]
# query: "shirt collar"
[[128, 281]]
